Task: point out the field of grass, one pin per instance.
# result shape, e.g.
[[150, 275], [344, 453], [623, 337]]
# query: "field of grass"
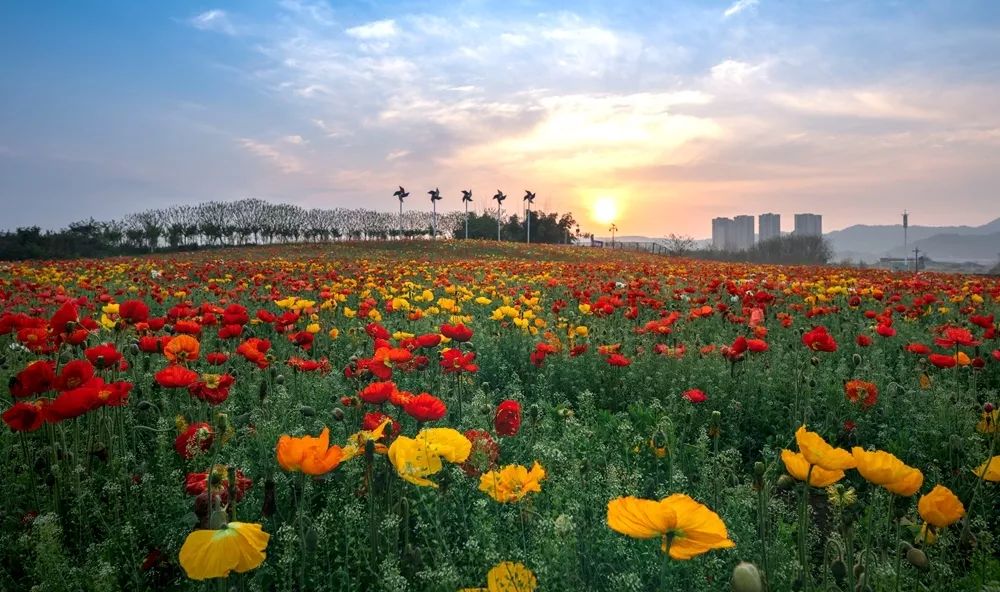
[[453, 415]]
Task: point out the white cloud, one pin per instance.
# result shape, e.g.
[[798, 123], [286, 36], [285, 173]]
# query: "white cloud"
[[286, 163], [739, 6], [213, 20], [869, 104], [396, 154], [736, 72], [294, 139], [376, 30], [317, 11]]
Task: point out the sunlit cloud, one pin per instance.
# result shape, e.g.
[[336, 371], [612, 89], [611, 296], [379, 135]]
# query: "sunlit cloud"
[[739, 6]]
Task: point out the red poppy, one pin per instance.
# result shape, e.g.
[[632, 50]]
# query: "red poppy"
[[507, 421], [64, 319], [36, 378], [133, 311], [956, 336], [428, 340], [114, 394], [918, 348], [400, 398], [217, 358], [861, 391], [197, 483], [458, 332], [373, 419], [454, 361], [819, 340], [757, 345], [255, 351], [376, 331], [75, 373], [74, 403], [35, 339], [212, 388], [618, 360], [377, 393], [197, 438], [885, 330], [304, 365], [175, 376], [425, 407], [942, 361], [695, 395], [484, 454], [149, 344], [235, 314], [230, 331], [578, 350], [863, 340], [25, 416], [996, 354], [186, 327], [103, 356], [303, 339]]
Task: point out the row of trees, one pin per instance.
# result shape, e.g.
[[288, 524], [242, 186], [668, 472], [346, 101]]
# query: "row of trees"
[[789, 250], [255, 221], [545, 228]]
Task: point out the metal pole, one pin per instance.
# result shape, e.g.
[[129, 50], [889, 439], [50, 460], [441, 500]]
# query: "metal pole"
[[499, 210], [434, 220], [466, 220], [400, 219], [529, 223]]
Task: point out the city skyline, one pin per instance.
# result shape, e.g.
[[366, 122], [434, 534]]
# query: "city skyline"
[[665, 116]]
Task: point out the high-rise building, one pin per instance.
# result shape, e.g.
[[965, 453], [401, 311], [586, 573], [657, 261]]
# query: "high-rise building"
[[808, 225], [743, 234], [768, 226], [722, 230]]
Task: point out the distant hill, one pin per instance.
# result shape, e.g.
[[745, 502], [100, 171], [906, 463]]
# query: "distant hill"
[[955, 243]]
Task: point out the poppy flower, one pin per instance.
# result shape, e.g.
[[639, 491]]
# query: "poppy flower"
[[133, 311], [685, 527], [197, 483], [882, 468], [956, 336], [863, 340], [458, 332], [149, 344], [940, 508], [989, 470], [618, 360], [255, 351], [103, 356], [484, 453], [377, 393], [417, 458], [798, 467], [507, 421], [373, 419], [453, 361], [237, 546], [195, 439], [861, 391], [175, 376], [309, 454], [25, 416], [819, 339], [885, 330], [817, 452], [428, 340], [508, 577], [425, 407], [695, 395], [757, 345], [182, 349], [216, 358], [918, 348], [212, 388], [74, 403], [36, 378], [304, 365], [942, 361], [512, 482], [230, 331]]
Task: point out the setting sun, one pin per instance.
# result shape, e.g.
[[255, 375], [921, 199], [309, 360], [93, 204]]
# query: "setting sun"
[[605, 210]]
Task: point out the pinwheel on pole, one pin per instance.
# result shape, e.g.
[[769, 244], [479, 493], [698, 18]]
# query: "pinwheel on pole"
[[435, 196], [499, 197], [466, 198], [529, 198], [401, 194], [613, 230]]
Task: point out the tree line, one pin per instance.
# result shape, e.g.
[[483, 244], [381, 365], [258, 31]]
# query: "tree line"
[[255, 221]]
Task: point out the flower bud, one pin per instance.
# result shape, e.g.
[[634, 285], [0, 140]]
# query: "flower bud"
[[746, 578], [785, 482], [279, 379], [838, 569], [988, 407], [917, 558], [307, 411], [338, 414]]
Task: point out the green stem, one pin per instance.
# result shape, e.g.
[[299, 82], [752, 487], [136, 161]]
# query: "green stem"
[[803, 530]]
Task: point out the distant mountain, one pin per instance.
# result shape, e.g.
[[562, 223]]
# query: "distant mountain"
[[867, 242]]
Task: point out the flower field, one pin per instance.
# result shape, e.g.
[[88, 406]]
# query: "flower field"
[[471, 415]]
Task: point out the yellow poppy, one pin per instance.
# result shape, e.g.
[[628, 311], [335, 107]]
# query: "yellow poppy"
[[415, 459], [798, 467], [989, 470], [508, 576], [988, 422], [237, 546], [882, 468], [940, 507], [686, 528], [817, 452], [512, 483], [309, 454]]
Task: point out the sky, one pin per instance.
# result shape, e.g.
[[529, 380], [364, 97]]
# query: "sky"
[[674, 111]]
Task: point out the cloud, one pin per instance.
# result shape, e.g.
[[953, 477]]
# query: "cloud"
[[375, 30], [739, 6], [856, 103], [397, 154], [736, 72], [213, 20], [294, 139], [286, 163]]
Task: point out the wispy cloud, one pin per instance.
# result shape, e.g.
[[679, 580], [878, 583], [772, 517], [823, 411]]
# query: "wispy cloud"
[[739, 6], [383, 29], [286, 163], [213, 20]]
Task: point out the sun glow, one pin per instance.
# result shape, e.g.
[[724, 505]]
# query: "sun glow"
[[605, 210]]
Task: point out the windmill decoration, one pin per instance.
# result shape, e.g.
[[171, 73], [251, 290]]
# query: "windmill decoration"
[[529, 198], [466, 198], [613, 230], [401, 194], [435, 196], [499, 197]]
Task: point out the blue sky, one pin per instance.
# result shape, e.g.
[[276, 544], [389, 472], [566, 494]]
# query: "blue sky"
[[678, 112]]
